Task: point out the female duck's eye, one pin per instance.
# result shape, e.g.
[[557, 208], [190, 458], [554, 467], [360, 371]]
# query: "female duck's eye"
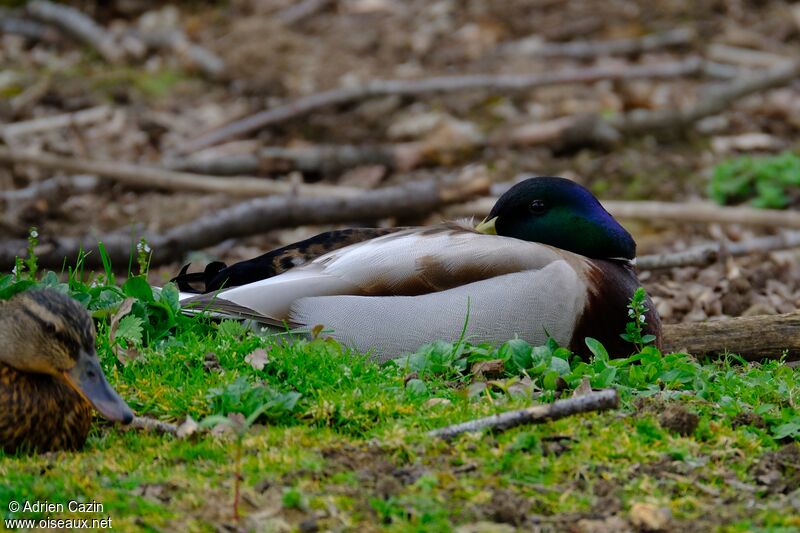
[[537, 207]]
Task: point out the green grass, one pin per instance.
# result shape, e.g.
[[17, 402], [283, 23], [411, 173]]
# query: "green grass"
[[336, 439]]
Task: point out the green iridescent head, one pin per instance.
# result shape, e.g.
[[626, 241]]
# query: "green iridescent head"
[[561, 213]]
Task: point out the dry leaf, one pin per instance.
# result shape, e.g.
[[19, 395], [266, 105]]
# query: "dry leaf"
[[583, 389], [316, 331], [649, 517], [495, 368], [124, 308], [257, 359]]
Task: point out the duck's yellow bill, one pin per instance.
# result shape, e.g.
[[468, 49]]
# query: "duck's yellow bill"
[[487, 226]]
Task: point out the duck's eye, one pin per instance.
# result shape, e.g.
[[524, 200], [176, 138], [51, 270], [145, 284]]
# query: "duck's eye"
[[537, 207]]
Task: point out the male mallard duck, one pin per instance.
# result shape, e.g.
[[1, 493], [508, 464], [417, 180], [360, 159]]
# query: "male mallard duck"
[[49, 374], [549, 260]]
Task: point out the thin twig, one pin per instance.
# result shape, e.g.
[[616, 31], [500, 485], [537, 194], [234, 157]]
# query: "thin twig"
[[10, 22], [746, 57], [415, 199], [191, 54], [709, 253], [145, 176], [31, 95], [704, 212], [51, 189], [593, 49], [594, 401], [588, 129], [79, 26], [301, 10], [84, 117], [322, 159], [712, 101], [151, 424], [425, 86], [690, 212]]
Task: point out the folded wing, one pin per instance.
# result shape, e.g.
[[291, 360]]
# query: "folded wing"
[[420, 272]]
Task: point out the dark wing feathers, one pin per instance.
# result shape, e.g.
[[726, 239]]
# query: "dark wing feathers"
[[218, 275]]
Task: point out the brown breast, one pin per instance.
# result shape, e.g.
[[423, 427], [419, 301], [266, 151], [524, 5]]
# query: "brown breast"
[[40, 413], [612, 284]]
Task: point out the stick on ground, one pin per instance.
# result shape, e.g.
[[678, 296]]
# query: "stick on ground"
[[11, 22], [84, 117], [79, 26], [425, 86], [582, 130], [145, 176], [594, 401], [691, 212], [151, 424], [415, 199], [610, 47], [706, 254], [326, 158]]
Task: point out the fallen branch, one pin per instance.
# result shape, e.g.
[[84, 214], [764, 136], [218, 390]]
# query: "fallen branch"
[[425, 86], [415, 199], [191, 54], [301, 11], [576, 130], [707, 254], [79, 26], [145, 176], [324, 159], [712, 101], [594, 401], [10, 23], [690, 212], [704, 212], [151, 424], [51, 190], [28, 98], [80, 118], [746, 57], [753, 337], [605, 48], [589, 129]]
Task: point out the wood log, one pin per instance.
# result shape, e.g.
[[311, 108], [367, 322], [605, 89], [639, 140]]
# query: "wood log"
[[752, 337]]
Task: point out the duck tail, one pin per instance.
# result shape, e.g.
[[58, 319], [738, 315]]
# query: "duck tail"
[[185, 279]]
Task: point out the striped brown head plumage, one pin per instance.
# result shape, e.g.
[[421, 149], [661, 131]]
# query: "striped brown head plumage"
[[50, 376]]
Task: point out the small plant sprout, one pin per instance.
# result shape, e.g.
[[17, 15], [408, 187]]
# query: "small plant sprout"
[[634, 327], [31, 262], [143, 255], [27, 268]]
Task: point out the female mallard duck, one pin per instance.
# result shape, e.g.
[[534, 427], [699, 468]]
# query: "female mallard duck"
[[49, 374], [549, 260]]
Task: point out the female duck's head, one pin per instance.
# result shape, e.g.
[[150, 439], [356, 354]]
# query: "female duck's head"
[[561, 213]]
